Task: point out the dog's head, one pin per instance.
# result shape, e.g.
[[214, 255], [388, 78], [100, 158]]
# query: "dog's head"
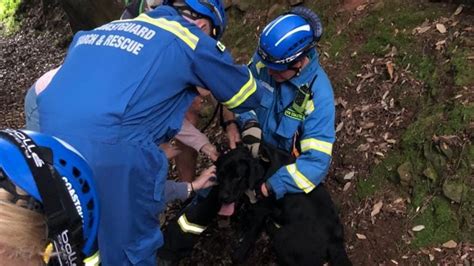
[[237, 172]]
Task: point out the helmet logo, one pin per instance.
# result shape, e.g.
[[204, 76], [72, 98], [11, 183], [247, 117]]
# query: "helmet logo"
[[67, 253], [74, 197], [23, 141]]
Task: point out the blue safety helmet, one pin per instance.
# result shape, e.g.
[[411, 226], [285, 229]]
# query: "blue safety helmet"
[[289, 37], [65, 164], [210, 9]]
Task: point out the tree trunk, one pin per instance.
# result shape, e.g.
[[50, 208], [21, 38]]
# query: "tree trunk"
[[89, 14]]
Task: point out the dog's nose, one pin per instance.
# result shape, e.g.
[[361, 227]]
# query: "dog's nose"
[[224, 195]]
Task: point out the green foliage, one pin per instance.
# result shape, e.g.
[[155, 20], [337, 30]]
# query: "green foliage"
[[440, 224], [463, 68], [391, 25], [368, 186], [7, 14]]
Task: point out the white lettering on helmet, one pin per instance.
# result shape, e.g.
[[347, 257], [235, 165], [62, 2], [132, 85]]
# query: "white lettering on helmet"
[[65, 249], [74, 197], [26, 144]]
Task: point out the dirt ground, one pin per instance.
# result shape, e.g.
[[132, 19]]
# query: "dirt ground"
[[372, 237]]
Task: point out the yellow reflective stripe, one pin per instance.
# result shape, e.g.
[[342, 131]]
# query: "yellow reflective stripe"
[[309, 107], [188, 227], [245, 91], [174, 27], [259, 66], [314, 144], [300, 180], [93, 260]]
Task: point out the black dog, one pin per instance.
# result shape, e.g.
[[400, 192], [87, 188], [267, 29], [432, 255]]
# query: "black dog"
[[304, 228]]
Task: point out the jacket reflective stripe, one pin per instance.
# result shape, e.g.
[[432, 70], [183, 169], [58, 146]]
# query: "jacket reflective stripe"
[[300, 180], [93, 260], [318, 145], [174, 27], [245, 91], [309, 107], [259, 66], [188, 227]]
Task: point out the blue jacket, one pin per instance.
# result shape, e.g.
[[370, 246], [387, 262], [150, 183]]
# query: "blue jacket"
[[315, 133], [123, 88]]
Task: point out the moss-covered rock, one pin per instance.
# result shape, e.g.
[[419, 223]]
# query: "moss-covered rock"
[[440, 223]]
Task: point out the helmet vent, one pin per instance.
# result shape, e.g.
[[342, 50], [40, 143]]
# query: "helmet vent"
[[75, 172], [90, 205], [62, 162], [85, 187]]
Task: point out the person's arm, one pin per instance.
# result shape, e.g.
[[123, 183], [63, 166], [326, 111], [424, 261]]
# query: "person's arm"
[[316, 143], [192, 137], [182, 190], [230, 126], [231, 84]]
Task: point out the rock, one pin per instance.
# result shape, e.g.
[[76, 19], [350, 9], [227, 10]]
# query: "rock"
[[453, 190], [404, 171], [437, 160], [431, 173]]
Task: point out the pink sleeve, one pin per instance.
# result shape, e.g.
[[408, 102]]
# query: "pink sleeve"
[[191, 136], [44, 81]]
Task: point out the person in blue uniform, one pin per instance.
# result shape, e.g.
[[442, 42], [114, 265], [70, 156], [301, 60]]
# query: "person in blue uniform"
[[299, 117], [123, 88]]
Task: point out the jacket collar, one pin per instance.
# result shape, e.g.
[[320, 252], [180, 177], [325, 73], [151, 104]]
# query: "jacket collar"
[[163, 11], [309, 72]]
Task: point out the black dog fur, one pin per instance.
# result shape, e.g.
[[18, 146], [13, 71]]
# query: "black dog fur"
[[304, 228]]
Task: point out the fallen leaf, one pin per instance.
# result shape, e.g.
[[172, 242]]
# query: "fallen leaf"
[[376, 209], [418, 228], [437, 249], [441, 28], [363, 147], [349, 175], [361, 236], [440, 44], [339, 127], [366, 76], [463, 257], [432, 257], [346, 186], [389, 66], [450, 244], [458, 10], [394, 262], [361, 7], [379, 154], [398, 200], [367, 125], [420, 30], [391, 141]]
